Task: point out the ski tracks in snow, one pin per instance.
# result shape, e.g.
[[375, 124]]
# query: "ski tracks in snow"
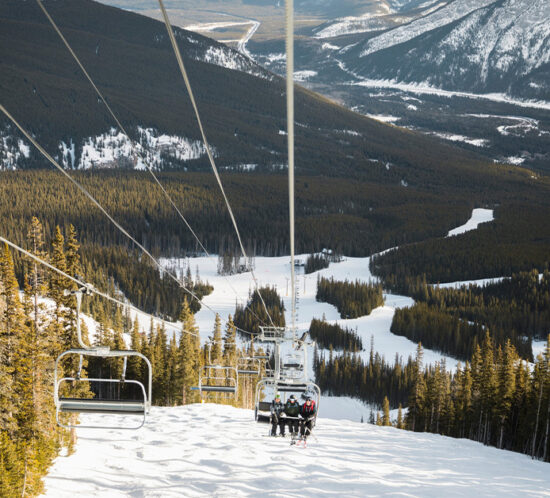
[[216, 450]]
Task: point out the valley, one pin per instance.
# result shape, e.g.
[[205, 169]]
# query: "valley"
[[347, 59]]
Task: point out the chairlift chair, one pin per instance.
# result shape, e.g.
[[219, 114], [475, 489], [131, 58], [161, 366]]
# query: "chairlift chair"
[[211, 380], [262, 410], [71, 405]]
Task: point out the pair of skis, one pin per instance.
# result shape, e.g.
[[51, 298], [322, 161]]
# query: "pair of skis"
[[300, 442]]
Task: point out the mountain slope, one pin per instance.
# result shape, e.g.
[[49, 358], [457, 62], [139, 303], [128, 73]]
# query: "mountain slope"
[[475, 46], [215, 450], [131, 61]]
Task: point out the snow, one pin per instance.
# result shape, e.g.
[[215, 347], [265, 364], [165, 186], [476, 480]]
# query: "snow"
[[423, 88], [383, 117], [246, 38], [12, 150], [452, 12], [479, 215], [479, 282], [24, 149], [539, 347], [274, 271], [515, 160], [478, 142], [304, 75], [215, 450], [108, 149]]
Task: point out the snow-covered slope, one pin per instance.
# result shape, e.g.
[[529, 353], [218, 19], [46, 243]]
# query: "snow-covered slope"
[[214, 450], [113, 149], [470, 45], [275, 272]]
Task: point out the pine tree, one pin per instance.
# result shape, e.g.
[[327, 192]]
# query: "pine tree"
[[11, 328], [416, 402], [229, 343], [386, 412], [400, 423], [216, 342], [189, 348]]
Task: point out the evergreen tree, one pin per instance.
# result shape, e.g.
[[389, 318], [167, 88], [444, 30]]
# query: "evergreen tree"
[[386, 412], [400, 423], [189, 349]]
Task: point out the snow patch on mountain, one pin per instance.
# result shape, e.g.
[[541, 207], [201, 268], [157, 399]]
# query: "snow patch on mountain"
[[113, 149], [453, 137], [12, 150], [452, 12], [211, 52], [424, 88], [479, 215], [304, 75], [384, 118]]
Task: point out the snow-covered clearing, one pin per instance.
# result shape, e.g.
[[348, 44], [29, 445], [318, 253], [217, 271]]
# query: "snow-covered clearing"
[[384, 118], [539, 347], [480, 282], [479, 215], [276, 271], [233, 289], [453, 137], [304, 75], [215, 450], [426, 89]]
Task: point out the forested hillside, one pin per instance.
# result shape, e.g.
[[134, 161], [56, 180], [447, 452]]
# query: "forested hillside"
[[364, 186], [130, 59], [40, 323]]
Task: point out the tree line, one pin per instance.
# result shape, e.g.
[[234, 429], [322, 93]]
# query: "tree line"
[[253, 315], [453, 321], [316, 262], [346, 374], [495, 399], [331, 335], [352, 299]]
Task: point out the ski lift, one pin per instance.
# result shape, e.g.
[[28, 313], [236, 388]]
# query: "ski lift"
[[271, 334], [70, 405], [249, 365], [267, 387], [293, 365], [218, 379]]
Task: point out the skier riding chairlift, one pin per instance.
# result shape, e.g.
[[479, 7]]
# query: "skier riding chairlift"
[[308, 411], [277, 416], [292, 411]]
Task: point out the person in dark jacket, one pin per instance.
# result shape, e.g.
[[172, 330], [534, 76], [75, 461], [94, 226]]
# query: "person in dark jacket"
[[292, 410], [308, 412], [277, 416]]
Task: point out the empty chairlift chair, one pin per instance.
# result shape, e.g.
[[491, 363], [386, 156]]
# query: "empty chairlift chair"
[[249, 365], [105, 405], [218, 379]]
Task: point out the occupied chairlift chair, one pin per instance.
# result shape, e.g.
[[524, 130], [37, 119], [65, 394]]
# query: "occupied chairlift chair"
[[289, 376], [69, 405]]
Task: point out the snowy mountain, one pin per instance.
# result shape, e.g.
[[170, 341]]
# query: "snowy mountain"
[[215, 450], [470, 45]]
